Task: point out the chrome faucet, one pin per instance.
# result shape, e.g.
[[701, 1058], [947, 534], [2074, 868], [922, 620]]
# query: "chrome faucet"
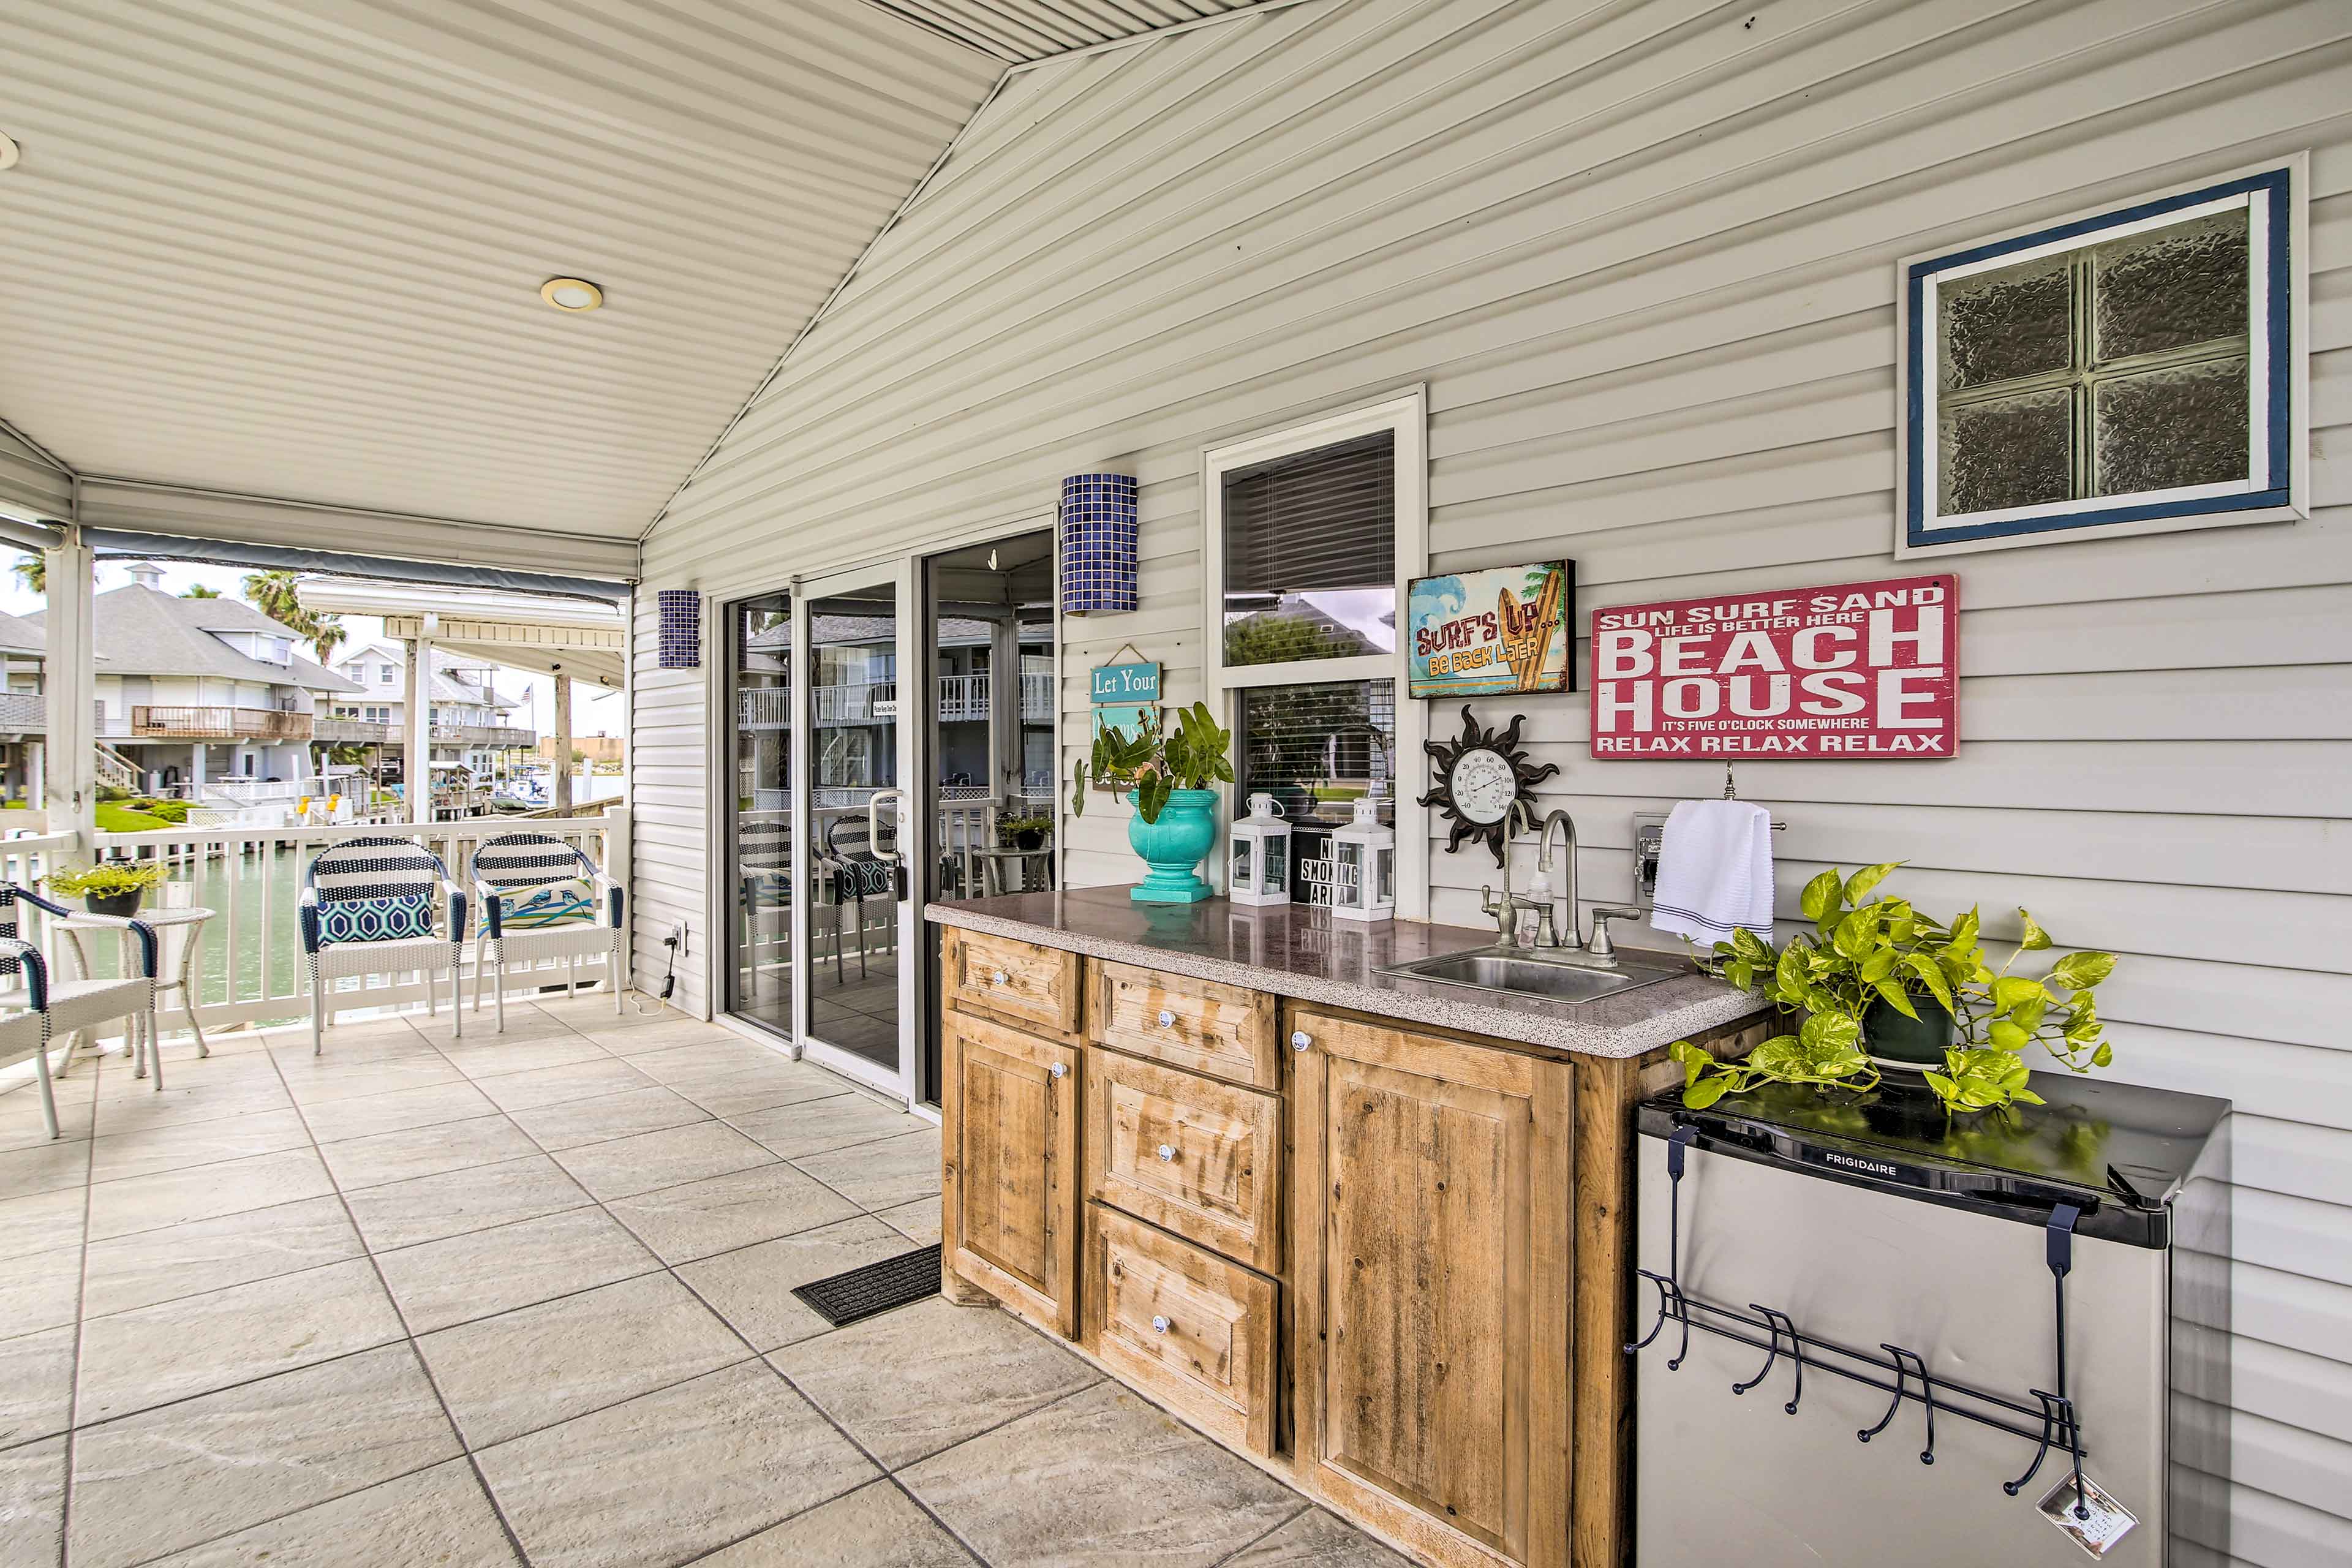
[[1520, 818], [1574, 939]]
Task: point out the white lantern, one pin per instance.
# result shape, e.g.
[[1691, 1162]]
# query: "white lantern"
[[1364, 852], [1261, 864]]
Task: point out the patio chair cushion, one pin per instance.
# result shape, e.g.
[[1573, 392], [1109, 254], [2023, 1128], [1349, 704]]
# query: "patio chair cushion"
[[567, 902], [391, 919]]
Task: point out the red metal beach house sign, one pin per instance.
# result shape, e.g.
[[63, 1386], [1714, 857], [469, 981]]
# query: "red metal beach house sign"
[[1852, 671]]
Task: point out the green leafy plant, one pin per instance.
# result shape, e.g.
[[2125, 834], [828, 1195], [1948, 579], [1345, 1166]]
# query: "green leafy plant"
[[1864, 951], [1825, 1050], [106, 878], [1012, 828], [1155, 763]]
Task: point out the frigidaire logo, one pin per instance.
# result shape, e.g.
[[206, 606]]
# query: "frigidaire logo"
[[1875, 1167]]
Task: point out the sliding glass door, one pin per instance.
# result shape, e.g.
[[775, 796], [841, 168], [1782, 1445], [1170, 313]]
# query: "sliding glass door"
[[760, 876], [863, 920]]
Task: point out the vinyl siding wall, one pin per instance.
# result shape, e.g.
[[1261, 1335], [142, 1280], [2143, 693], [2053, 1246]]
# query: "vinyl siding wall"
[[29, 483], [1642, 256]]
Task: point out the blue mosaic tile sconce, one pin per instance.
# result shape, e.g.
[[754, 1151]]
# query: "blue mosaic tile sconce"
[[1098, 524], [680, 639]]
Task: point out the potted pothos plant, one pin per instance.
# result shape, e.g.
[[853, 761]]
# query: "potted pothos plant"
[[109, 886], [1879, 984], [1172, 775]]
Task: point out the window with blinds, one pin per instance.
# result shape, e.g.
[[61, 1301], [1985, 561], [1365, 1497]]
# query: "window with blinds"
[[1318, 749], [1310, 554]]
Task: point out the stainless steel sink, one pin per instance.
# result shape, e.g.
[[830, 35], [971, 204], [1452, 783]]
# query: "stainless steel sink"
[[1516, 972]]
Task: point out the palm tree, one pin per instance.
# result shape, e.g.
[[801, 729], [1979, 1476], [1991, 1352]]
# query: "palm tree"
[[201, 592], [272, 593], [33, 571]]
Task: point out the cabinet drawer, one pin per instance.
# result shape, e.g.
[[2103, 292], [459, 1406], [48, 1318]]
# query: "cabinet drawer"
[[1015, 979], [1221, 1030], [1192, 1155], [1186, 1326]]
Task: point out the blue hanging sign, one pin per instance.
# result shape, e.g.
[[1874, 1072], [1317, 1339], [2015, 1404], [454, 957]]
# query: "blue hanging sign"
[[1127, 683]]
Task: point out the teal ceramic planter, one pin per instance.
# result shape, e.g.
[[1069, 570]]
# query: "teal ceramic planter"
[[1173, 847]]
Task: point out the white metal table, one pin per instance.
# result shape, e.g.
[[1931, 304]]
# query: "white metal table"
[[181, 966]]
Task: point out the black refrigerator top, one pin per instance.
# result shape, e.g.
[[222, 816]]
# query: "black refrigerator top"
[[2120, 1152]]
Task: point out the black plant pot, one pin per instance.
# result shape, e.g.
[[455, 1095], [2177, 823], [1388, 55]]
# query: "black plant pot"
[[122, 906], [1892, 1039], [1029, 838]]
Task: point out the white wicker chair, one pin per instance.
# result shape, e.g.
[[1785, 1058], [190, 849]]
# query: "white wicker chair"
[[43, 1011], [361, 875], [508, 870]]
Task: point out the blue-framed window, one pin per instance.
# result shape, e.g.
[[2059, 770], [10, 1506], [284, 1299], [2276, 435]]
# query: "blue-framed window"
[[2133, 367]]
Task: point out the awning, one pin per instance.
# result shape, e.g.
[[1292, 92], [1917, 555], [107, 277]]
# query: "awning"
[[577, 638]]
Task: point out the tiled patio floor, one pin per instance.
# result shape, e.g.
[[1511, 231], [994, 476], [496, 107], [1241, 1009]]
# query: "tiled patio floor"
[[527, 1299]]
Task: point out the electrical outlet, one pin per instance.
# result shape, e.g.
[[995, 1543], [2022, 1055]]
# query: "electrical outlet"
[[677, 938], [1649, 835]]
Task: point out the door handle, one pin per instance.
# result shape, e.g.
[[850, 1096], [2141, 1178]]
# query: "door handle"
[[897, 861]]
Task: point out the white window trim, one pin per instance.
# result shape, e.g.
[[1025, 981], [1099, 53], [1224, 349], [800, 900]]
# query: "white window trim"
[[1920, 381], [1405, 415]]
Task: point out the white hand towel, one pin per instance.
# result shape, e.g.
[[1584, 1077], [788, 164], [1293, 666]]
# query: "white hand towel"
[[1715, 871]]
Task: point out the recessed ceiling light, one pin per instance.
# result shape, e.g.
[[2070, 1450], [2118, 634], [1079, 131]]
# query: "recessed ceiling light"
[[7, 154], [572, 293]]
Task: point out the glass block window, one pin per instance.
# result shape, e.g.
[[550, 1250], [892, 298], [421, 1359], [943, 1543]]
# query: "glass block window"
[[1317, 749], [2130, 368]]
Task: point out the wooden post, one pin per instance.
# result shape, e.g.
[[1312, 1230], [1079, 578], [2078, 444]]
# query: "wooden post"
[[70, 787], [418, 766], [562, 794]]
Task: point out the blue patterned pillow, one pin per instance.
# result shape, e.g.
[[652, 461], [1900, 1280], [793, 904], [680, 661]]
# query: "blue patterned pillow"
[[376, 919]]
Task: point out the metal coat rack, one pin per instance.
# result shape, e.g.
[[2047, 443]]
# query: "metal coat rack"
[[2051, 1423]]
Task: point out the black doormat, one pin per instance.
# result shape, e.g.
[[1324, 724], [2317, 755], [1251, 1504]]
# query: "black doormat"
[[862, 1293]]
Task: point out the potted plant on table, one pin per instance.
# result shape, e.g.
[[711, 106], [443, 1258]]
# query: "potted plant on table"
[[1027, 834], [109, 888], [1879, 985], [1171, 773]]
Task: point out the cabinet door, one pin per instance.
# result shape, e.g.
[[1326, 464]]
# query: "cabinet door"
[[1009, 1175], [1432, 1238]]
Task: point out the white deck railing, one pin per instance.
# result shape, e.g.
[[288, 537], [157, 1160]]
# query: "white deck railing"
[[249, 959]]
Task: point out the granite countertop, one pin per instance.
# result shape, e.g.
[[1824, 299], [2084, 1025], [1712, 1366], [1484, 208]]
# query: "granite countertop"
[[1305, 954]]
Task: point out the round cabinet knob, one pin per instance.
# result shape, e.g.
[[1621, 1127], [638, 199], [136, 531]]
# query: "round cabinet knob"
[[998, 978], [1058, 1069], [1299, 1041], [1160, 1325], [1168, 1150], [1166, 1019]]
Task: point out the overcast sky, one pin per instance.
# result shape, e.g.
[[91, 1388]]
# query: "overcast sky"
[[590, 715]]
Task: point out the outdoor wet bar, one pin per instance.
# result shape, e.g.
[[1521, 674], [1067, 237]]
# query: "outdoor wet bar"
[[1372, 1231]]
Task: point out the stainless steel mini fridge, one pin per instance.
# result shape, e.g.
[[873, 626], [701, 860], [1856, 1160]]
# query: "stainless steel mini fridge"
[[1874, 1335]]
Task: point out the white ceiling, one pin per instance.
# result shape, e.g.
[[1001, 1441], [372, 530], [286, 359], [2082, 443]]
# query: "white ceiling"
[[292, 248]]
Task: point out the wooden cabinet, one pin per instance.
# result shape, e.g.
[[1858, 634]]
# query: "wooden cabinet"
[[1192, 1155], [1197, 1025], [1009, 1168], [1431, 1270], [1018, 980], [1188, 1328]]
